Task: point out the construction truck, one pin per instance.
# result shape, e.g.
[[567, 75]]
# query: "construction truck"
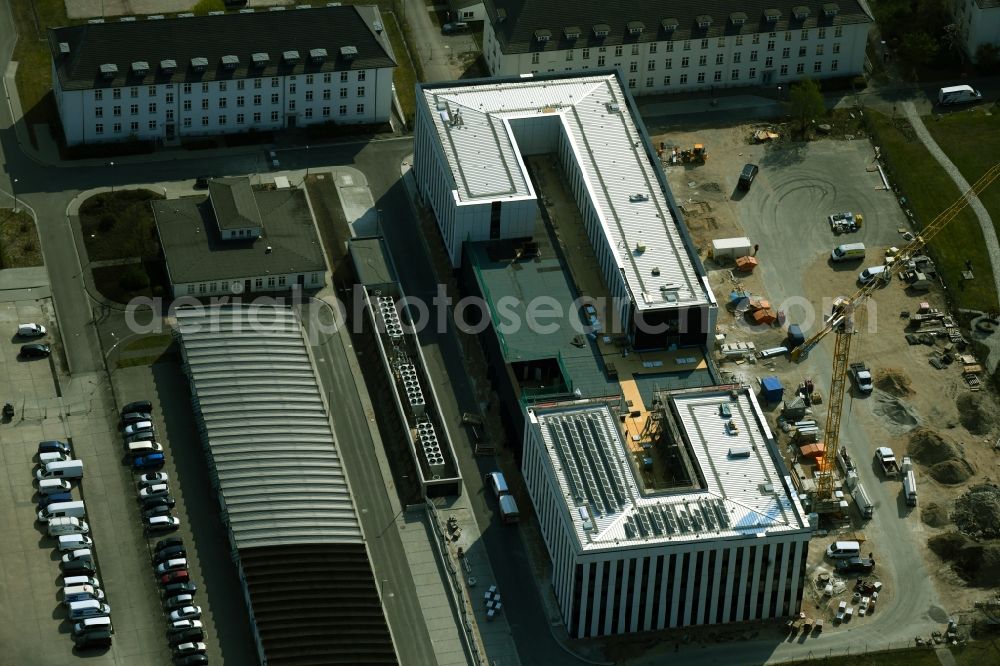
[[887, 459], [862, 377], [698, 154]]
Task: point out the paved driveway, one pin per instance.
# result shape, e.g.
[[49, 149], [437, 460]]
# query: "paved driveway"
[[443, 57]]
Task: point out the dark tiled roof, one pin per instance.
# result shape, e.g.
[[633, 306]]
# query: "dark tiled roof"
[[214, 37], [515, 21], [195, 251], [988, 4], [234, 203], [317, 604]]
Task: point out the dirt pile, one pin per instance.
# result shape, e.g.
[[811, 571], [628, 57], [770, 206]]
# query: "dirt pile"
[[893, 381], [974, 413], [977, 512], [934, 515], [948, 545], [951, 472], [928, 447], [978, 564]]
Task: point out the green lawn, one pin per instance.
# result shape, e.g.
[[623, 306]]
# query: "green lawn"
[[118, 225], [19, 245], [928, 191], [34, 66], [972, 654]]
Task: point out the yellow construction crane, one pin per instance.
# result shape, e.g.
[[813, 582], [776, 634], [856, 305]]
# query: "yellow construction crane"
[[841, 321]]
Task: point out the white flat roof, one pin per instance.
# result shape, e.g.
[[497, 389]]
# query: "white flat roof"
[[744, 495], [473, 124]]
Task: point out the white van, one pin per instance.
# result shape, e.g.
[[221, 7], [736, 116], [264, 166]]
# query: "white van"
[[92, 624], [50, 457], [871, 273], [842, 550], [958, 95], [79, 610], [144, 448], [66, 469], [82, 593], [62, 510], [68, 542], [67, 525], [848, 252], [73, 581], [498, 484], [53, 486]]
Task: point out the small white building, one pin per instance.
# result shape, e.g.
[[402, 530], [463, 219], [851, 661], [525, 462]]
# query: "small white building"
[[978, 23], [468, 147], [238, 241], [165, 78], [665, 46], [703, 527], [467, 10]]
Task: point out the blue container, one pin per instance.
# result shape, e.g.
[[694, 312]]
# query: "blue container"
[[771, 389], [795, 336]]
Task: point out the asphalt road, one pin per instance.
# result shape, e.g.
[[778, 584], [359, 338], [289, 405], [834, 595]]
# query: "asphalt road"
[[438, 53]]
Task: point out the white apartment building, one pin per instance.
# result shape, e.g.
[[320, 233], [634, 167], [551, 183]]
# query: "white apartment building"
[[978, 23], [164, 78], [470, 139], [703, 527], [666, 46]]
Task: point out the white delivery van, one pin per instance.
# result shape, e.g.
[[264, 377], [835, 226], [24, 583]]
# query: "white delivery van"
[[67, 525], [50, 457], [53, 486], [498, 484], [62, 510], [73, 581], [848, 252], [958, 95], [842, 550], [71, 542], [508, 509], [144, 448], [82, 593], [65, 469], [79, 610]]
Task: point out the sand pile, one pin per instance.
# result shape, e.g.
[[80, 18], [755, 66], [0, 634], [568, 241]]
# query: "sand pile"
[[951, 472], [977, 512], [928, 447], [974, 413], [893, 382], [977, 563], [934, 515]]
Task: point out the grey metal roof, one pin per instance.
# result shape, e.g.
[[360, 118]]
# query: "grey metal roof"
[[196, 252], [234, 203], [265, 427], [215, 37], [515, 21], [370, 262]]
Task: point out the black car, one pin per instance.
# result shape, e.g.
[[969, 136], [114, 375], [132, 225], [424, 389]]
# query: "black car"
[[194, 635], [191, 660], [53, 446], [35, 350], [856, 565], [143, 406], [95, 639], [168, 542], [179, 588], [146, 435], [168, 554], [131, 417], [156, 511], [747, 176], [78, 567], [153, 502]]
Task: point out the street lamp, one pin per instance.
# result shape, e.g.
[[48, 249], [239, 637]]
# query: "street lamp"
[[112, 165], [13, 188]]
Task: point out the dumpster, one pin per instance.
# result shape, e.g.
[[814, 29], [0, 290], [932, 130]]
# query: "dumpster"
[[795, 336], [771, 389]]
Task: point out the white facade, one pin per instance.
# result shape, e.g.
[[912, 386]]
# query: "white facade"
[[978, 23], [251, 284], [467, 10], [167, 110], [669, 66], [625, 558]]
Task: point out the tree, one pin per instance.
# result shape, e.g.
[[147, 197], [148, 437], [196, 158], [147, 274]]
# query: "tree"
[[918, 48], [805, 102]]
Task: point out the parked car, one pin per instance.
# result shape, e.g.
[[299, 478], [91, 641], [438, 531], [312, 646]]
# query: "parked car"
[[178, 601], [175, 577], [871, 273], [159, 510], [175, 564], [134, 417], [856, 565], [187, 636], [180, 588], [162, 523], [156, 490], [152, 478], [186, 613], [747, 176], [35, 350], [144, 436], [74, 542], [169, 553], [82, 554], [138, 406], [30, 330], [53, 446], [166, 501], [138, 426], [93, 640], [177, 626], [151, 461], [168, 542], [78, 567], [454, 26], [184, 649], [70, 581], [192, 660], [46, 500]]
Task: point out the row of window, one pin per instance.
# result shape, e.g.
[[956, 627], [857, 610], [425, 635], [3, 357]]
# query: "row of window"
[[703, 60], [223, 119], [222, 86], [653, 47], [734, 75], [223, 102], [272, 282]]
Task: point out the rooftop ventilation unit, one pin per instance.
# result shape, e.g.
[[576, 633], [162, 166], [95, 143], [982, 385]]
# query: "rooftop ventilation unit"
[[155, 17], [64, 48], [334, 4], [199, 64], [572, 33], [772, 15], [260, 59], [109, 70], [230, 61], [247, 10], [275, 9], [738, 18], [831, 9], [739, 452], [640, 247], [800, 12], [317, 55], [140, 68], [669, 24], [98, 20], [168, 66], [348, 52], [635, 27], [127, 19], [290, 57], [704, 21], [304, 7], [638, 197], [217, 13], [501, 15], [185, 15], [542, 35], [602, 30], [378, 27], [613, 107]]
